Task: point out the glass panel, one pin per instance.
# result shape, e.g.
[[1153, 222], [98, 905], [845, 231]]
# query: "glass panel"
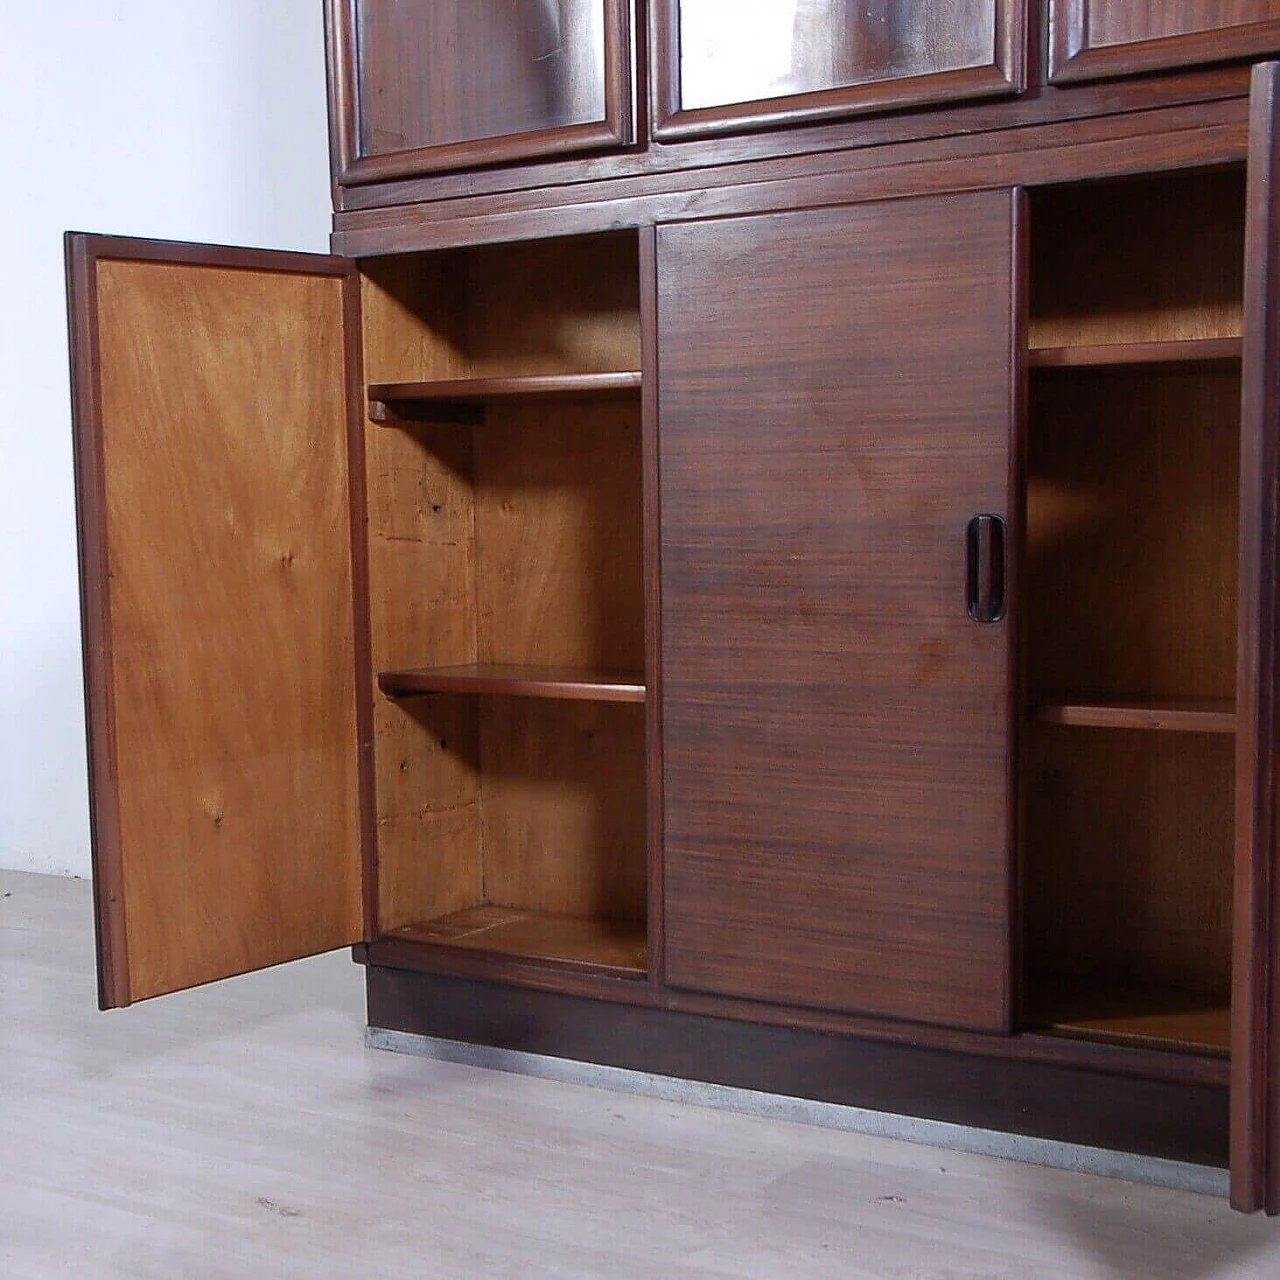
[[743, 50], [433, 72]]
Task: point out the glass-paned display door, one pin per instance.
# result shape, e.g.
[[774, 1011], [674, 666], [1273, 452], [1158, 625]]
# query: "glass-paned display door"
[[1093, 39], [424, 85], [727, 64]]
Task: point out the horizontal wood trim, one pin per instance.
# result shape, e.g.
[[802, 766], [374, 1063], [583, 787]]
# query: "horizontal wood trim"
[[937, 89], [1032, 1046], [1168, 716], [1192, 351], [1080, 1099], [813, 144], [516, 681], [483, 151], [1167, 139]]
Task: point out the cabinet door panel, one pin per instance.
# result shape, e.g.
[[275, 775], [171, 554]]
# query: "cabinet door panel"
[[1099, 38], [422, 85], [726, 64], [837, 402], [212, 431], [1255, 1014]]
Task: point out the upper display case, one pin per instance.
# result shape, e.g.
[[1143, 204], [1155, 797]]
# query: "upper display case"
[[420, 87], [722, 65]]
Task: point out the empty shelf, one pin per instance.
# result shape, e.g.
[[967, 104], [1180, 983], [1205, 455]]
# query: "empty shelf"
[[463, 399], [594, 941], [516, 681], [1142, 1017], [1191, 351], [1185, 716]]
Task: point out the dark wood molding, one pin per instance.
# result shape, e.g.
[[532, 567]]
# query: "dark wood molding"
[[1168, 138], [1003, 75], [1080, 1101], [95, 622], [350, 168], [1073, 58], [1038, 106], [1255, 1093], [534, 974]]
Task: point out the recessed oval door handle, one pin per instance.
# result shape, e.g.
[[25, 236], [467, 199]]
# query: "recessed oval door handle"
[[985, 586]]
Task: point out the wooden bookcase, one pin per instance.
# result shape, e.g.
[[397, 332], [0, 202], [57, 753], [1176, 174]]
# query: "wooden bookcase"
[[726, 590]]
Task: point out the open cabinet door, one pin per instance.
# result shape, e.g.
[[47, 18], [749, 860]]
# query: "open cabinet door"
[[219, 490], [1255, 1049]]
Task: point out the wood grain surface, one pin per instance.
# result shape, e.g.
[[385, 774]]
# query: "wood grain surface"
[[836, 730], [218, 418]]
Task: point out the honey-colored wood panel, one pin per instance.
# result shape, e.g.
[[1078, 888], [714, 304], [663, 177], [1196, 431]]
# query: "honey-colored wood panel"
[[559, 555], [1159, 259], [413, 317], [223, 426], [597, 941], [1127, 858], [1132, 512], [422, 610], [547, 307], [564, 807], [554, 306]]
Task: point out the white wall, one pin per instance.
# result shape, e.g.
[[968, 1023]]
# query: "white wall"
[[185, 119]]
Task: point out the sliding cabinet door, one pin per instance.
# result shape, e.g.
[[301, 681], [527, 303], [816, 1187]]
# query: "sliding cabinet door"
[[837, 436]]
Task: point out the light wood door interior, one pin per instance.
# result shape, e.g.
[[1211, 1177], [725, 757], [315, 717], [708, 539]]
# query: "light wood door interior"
[[212, 399], [1130, 600], [507, 567]]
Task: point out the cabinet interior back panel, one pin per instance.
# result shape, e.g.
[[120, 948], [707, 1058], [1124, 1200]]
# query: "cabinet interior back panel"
[[1147, 260], [514, 541]]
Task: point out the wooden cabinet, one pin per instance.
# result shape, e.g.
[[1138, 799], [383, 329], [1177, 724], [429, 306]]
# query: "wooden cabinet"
[[721, 65], [806, 623], [1094, 38], [423, 85], [837, 729]]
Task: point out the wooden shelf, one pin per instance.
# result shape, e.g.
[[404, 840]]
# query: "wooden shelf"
[[565, 683], [595, 942], [1185, 716], [1142, 1017], [1191, 351], [463, 400]]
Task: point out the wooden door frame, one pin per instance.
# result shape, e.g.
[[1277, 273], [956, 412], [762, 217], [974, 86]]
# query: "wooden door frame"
[[1073, 58], [349, 168], [1005, 74]]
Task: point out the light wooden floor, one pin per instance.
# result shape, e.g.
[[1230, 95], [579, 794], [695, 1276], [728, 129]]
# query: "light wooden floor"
[[244, 1131]]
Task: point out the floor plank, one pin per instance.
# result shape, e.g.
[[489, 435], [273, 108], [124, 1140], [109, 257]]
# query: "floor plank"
[[244, 1131]]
